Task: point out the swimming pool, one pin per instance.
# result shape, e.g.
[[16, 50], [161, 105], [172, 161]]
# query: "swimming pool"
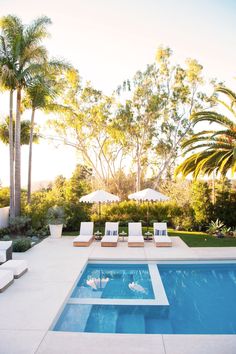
[[115, 281], [201, 300]]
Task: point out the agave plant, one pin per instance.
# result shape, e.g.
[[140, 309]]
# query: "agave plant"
[[226, 231], [215, 227]]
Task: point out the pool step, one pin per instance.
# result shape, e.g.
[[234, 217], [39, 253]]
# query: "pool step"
[[83, 317], [130, 323], [103, 319], [73, 318], [84, 293]]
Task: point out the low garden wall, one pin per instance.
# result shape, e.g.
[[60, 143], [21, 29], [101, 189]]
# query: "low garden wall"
[[4, 217]]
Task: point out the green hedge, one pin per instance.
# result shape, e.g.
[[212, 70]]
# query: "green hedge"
[[134, 211]]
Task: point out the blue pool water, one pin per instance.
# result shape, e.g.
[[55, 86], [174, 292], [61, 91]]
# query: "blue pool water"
[[202, 297], [115, 281], [202, 300]]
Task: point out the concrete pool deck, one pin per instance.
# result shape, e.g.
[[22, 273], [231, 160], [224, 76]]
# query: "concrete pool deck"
[[29, 306]]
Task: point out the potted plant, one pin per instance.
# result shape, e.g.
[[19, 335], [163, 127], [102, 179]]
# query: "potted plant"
[[56, 220]]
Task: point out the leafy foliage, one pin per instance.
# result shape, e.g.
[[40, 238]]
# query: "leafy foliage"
[[25, 132], [215, 227], [21, 245], [55, 215], [214, 150], [201, 202]]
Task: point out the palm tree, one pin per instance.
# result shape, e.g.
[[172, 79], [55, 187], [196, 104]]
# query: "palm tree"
[[8, 82], [214, 150], [25, 132], [24, 48], [40, 94]]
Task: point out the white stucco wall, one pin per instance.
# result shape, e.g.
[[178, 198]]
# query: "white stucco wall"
[[4, 217]]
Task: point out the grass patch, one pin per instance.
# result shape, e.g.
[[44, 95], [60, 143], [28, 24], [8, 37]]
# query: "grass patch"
[[192, 239], [200, 239]]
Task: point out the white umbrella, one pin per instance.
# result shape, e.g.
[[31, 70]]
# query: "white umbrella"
[[99, 197], [148, 195]]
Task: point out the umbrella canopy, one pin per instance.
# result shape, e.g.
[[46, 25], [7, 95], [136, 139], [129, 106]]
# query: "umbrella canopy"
[[99, 196], [148, 194]]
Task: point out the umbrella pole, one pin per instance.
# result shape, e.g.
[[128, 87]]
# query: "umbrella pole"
[[99, 214], [147, 215]]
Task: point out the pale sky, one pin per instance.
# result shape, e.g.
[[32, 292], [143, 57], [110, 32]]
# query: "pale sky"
[[109, 40]]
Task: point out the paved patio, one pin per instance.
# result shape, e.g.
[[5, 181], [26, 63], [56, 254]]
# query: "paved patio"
[[29, 306]]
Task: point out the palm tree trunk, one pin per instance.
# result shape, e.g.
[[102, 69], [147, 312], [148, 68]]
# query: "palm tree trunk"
[[18, 155], [11, 148], [30, 156]]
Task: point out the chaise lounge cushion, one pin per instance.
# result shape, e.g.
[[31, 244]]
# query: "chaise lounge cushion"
[[135, 241], [162, 241], [83, 238], [18, 267], [6, 278], [108, 238], [109, 241]]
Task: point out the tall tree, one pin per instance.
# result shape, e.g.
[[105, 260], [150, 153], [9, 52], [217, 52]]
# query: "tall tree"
[[27, 55], [86, 123], [8, 82], [214, 150], [41, 91], [162, 98]]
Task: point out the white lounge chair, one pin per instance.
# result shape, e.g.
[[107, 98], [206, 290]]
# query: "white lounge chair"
[[135, 238], [5, 251], [111, 236], [161, 237], [86, 236]]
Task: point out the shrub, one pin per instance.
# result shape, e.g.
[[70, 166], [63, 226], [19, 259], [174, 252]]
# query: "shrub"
[[201, 202], [128, 211], [19, 224], [41, 233], [4, 197], [37, 209], [6, 238], [4, 231], [21, 245]]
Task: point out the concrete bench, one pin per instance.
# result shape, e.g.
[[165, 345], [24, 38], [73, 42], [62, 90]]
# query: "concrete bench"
[[17, 267], [6, 279]]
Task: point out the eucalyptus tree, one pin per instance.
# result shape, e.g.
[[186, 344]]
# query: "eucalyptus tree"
[[156, 116], [213, 150], [23, 47], [86, 123], [138, 124]]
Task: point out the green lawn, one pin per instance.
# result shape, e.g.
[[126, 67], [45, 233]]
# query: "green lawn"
[[192, 239], [200, 239]]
